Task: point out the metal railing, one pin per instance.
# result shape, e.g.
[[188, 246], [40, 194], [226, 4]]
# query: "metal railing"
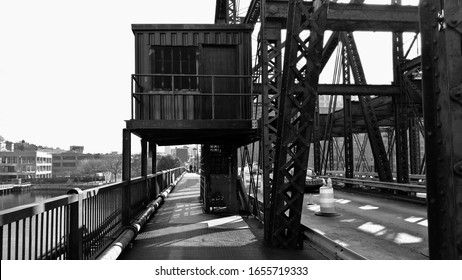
[[192, 96], [79, 225]]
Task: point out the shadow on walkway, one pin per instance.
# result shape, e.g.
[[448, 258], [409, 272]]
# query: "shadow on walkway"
[[181, 231]]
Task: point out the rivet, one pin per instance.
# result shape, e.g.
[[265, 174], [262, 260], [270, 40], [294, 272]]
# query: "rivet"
[[435, 42], [439, 125], [438, 107], [430, 133], [433, 8], [437, 91], [425, 4], [435, 57], [427, 68], [440, 159], [432, 201], [437, 74]]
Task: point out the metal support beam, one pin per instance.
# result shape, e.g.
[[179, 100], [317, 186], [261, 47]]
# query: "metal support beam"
[[347, 117], [226, 12], [357, 17], [414, 146], [271, 59], [375, 139], [400, 106], [295, 122], [253, 12], [440, 25]]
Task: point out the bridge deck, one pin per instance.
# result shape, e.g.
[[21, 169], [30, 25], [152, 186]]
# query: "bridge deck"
[[181, 231]]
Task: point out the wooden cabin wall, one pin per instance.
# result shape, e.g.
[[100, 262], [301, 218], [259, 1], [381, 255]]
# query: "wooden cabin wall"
[[151, 41]]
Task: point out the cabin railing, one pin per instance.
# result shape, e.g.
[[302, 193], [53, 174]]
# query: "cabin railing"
[[80, 224], [191, 97]]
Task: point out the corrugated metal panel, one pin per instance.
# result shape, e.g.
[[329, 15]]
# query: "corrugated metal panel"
[[191, 35]]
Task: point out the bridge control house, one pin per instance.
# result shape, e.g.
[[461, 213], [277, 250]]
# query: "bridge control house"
[[193, 85]]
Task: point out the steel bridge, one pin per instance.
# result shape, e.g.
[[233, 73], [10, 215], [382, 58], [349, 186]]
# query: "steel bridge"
[[197, 84]]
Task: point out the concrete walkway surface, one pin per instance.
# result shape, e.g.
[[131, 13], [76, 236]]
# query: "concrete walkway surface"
[[181, 231]]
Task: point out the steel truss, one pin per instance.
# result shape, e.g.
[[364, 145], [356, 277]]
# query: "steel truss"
[[295, 121]]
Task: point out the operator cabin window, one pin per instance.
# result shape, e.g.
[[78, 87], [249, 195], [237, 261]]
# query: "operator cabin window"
[[174, 60]]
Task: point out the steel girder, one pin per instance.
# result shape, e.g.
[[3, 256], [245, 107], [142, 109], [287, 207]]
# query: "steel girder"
[[295, 121], [226, 12], [441, 29], [357, 17], [400, 103], [378, 149], [253, 13], [347, 118], [271, 71]]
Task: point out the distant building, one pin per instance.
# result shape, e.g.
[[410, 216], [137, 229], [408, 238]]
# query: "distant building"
[[182, 154], [25, 165], [65, 164]]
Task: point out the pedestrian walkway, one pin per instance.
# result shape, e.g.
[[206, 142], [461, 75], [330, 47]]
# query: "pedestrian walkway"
[[181, 231]]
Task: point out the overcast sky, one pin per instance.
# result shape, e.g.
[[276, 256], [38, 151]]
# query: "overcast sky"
[[65, 66]]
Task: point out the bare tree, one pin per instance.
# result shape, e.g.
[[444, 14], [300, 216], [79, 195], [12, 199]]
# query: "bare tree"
[[113, 164], [90, 167]]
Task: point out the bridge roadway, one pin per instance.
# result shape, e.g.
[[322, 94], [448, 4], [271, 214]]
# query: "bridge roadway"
[[374, 227], [181, 231], [378, 228]]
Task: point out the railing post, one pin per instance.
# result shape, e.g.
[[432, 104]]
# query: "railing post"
[[131, 97], [144, 168], [75, 243], [126, 176]]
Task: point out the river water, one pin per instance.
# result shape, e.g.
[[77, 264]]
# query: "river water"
[[17, 199]]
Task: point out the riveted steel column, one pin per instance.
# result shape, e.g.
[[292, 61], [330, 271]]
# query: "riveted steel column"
[[347, 118], [414, 146], [295, 122], [400, 107], [442, 101], [271, 59]]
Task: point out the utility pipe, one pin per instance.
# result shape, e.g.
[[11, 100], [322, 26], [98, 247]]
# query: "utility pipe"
[[114, 250]]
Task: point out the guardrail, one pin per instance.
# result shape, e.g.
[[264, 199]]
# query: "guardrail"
[[79, 225], [414, 178], [193, 96], [413, 188]]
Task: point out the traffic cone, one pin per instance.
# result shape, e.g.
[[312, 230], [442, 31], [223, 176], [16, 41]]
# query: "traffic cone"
[[326, 200]]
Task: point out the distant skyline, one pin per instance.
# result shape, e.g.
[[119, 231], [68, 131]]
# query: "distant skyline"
[[65, 66]]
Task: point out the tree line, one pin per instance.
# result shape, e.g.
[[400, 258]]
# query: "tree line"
[[111, 165]]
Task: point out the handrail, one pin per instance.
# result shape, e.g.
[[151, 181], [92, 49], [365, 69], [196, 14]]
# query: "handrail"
[[78, 225], [380, 184], [165, 85]]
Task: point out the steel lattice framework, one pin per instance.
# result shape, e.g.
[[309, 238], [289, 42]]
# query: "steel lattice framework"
[[295, 122], [289, 96]]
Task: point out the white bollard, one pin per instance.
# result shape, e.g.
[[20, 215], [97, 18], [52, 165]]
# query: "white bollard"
[[326, 200]]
